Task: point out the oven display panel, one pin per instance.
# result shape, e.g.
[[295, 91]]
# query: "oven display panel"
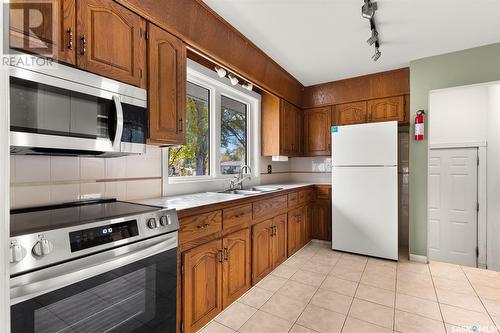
[[85, 239]]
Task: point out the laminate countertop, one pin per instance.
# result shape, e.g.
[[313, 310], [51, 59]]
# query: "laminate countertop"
[[188, 201]]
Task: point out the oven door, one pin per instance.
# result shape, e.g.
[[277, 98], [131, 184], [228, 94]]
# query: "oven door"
[[127, 289]]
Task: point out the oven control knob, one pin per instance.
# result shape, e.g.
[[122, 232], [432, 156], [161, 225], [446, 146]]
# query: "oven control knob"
[[42, 247], [152, 223], [165, 220], [17, 252]]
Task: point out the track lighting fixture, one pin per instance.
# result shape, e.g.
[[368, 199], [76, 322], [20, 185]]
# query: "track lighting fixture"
[[234, 80], [368, 9], [248, 86], [220, 71], [373, 38], [377, 54]]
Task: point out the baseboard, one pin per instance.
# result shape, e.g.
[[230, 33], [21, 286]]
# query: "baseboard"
[[417, 258]]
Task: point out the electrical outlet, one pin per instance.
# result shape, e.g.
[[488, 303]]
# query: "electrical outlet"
[[269, 169]]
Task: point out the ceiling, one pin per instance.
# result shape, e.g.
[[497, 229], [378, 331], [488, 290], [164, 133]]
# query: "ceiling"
[[325, 40]]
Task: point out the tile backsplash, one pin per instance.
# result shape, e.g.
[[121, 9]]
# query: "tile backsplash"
[[41, 180]]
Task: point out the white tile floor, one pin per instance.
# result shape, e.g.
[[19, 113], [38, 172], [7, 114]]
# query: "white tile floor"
[[320, 290]]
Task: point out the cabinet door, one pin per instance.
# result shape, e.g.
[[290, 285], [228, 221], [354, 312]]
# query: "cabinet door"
[[287, 123], [308, 223], [317, 138], [297, 131], [111, 41], [351, 113], [386, 109], [262, 260], [202, 285], [293, 230], [54, 37], [167, 87], [236, 267], [321, 220], [279, 239]]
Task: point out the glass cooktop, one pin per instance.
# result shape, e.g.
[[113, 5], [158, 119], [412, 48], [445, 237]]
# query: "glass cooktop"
[[31, 220]]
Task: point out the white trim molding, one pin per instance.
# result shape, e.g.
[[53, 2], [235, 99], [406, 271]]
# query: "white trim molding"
[[419, 258]]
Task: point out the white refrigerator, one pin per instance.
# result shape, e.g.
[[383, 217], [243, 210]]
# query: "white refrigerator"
[[365, 189]]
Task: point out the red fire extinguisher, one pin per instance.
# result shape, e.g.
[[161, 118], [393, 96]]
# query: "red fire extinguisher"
[[419, 125]]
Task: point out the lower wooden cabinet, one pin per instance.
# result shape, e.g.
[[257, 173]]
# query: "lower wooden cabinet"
[[214, 275], [297, 229], [202, 284], [236, 266], [269, 246], [321, 209]]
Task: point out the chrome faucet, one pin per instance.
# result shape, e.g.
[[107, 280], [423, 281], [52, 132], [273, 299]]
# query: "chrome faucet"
[[240, 177]]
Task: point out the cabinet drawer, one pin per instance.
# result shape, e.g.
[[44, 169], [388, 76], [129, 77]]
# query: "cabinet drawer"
[[293, 199], [200, 226], [305, 196], [323, 192], [237, 215], [269, 206]]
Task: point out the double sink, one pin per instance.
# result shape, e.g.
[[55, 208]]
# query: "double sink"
[[253, 191]]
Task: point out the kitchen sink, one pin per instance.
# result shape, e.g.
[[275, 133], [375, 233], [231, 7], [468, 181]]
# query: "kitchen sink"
[[266, 188], [242, 192]]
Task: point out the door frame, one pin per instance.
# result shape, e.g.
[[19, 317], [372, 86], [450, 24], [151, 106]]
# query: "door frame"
[[482, 244], [4, 184]]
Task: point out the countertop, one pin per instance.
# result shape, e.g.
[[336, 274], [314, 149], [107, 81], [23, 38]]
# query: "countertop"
[[187, 201]]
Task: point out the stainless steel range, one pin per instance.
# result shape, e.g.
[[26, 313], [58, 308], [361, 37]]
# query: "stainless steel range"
[[94, 266]]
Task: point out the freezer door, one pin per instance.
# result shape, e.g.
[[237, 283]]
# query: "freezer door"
[[365, 144], [365, 211]]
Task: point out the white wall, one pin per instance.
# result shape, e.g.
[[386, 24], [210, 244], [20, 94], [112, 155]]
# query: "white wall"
[[458, 115]]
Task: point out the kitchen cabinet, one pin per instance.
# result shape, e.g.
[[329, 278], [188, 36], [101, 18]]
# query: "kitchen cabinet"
[[269, 246], [167, 87], [351, 113], [317, 137], [202, 284], [54, 38], [321, 214], [386, 109], [111, 41], [297, 220], [281, 126], [236, 266]]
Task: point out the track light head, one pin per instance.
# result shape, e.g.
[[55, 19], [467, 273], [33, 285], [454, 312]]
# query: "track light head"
[[377, 54], [368, 9], [248, 86], [234, 80], [374, 37], [220, 71]]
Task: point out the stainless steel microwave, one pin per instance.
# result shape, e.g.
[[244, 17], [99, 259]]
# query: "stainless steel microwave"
[[66, 111]]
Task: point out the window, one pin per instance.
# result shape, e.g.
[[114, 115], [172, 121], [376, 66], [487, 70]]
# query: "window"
[[222, 130], [193, 158], [233, 136]]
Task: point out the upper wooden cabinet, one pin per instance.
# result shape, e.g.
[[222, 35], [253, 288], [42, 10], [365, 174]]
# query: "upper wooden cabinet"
[[111, 41], [386, 109], [351, 113], [167, 87], [55, 37], [317, 138], [282, 127]]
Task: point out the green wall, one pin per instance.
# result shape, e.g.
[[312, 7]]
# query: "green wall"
[[477, 65]]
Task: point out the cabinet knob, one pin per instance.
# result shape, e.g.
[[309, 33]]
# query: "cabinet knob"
[[70, 38], [84, 45]]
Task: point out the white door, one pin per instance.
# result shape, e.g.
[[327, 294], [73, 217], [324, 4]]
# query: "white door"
[[452, 206]]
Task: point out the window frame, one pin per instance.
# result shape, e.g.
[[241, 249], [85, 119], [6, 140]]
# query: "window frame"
[[217, 87]]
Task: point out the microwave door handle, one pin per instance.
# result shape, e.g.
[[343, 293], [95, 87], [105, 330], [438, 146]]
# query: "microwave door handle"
[[119, 124]]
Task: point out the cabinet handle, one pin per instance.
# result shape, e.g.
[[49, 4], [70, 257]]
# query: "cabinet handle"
[[84, 45], [203, 226], [275, 230], [70, 38], [221, 256], [181, 125], [226, 254]]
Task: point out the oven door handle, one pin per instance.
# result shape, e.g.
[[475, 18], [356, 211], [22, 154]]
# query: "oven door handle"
[[119, 124], [30, 285]]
